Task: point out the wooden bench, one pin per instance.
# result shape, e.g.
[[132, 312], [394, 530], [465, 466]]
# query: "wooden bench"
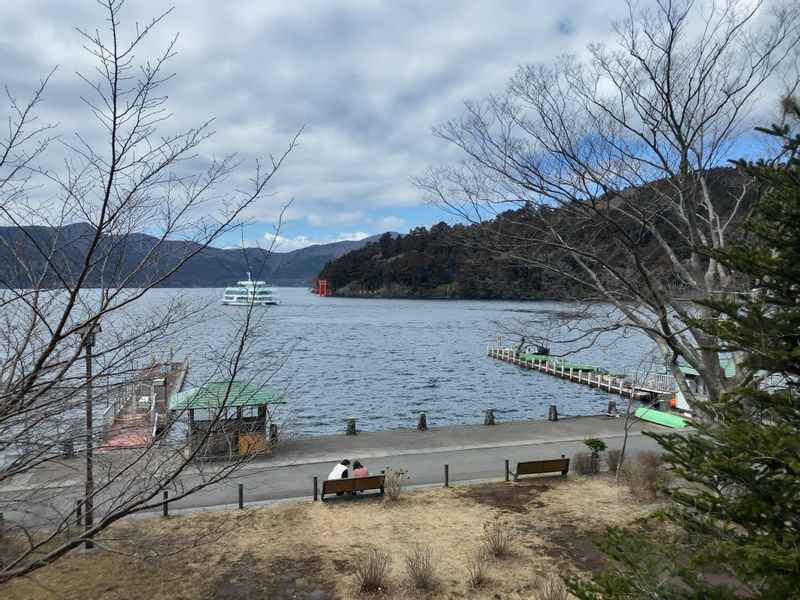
[[535, 467], [352, 484]]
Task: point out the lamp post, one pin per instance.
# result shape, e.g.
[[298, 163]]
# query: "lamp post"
[[88, 333]]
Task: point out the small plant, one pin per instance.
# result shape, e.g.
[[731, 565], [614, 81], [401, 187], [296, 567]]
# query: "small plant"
[[581, 463], [596, 445], [477, 567], [552, 589], [421, 568], [372, 570], [615, 458], [497, 535], [395, 484]]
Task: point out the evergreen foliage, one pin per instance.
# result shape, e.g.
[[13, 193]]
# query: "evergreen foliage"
[[498, 259], [738, 504]]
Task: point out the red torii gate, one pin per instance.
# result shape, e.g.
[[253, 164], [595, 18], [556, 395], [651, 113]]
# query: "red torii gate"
[[323, 288]]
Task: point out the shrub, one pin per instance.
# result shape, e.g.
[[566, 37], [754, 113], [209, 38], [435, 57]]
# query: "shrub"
[[581, 463], [614, 457], [497, 535], [595, 445], [645, 474], [477, 567], [396, 483], [421, 568], [372, 570], [552, 589]]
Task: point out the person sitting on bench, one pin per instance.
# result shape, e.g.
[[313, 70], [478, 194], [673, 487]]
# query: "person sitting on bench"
[[339, 472], [359, 470]]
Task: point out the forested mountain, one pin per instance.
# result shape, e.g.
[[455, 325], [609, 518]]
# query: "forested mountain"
[[485, 260], [57, 252]]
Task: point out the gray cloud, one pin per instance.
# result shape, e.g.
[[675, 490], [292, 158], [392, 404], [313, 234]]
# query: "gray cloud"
[[368, 79]]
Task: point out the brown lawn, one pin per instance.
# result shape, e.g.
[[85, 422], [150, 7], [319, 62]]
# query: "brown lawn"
[[310, 550]]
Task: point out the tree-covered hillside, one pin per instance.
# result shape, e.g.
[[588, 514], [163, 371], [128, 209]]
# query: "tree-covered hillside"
[[488, 259]]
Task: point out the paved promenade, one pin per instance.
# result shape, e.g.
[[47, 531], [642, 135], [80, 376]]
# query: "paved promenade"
[[473, 452]]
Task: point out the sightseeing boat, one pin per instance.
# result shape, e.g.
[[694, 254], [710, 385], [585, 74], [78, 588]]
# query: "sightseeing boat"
[[250, 293]]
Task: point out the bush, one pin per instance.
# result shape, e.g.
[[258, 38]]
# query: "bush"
[[645, 474], [595, 445], [421, 568], [396, 483], [553, 589], [614, 457], [372, 570], [477, 567], [582, 463], [497, 535]]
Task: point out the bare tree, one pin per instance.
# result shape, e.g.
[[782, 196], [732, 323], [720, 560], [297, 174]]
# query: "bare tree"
[[82, 248], [604, 172]]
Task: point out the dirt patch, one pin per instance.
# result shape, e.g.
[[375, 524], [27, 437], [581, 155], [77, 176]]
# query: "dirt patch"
[[569, 544], [514, 498], [286, 578]]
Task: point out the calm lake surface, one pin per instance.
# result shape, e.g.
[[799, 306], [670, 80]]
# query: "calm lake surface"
[[383, 361]]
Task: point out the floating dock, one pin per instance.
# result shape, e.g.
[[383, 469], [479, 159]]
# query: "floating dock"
[[583, 373]]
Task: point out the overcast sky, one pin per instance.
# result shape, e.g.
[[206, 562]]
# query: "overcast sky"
[[367, 79]]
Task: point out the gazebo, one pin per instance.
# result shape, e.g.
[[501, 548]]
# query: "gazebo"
[[232, 415]]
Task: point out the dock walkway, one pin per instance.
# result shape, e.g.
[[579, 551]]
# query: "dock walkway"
[[585, 374], [140, 404]]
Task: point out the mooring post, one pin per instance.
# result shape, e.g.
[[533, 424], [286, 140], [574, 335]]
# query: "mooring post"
[[612, 408], [506, 469], [166, 503], [488, 417], [553, 413], [315, 488], [273, 434], [447, 476], [241, 495], [422, 424], [351, 427]]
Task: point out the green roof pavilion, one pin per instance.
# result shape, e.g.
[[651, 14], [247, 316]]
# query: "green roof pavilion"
[[213, 395]]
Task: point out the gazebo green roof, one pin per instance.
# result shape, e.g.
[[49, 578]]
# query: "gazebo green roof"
[[726, 363], [228, 393]]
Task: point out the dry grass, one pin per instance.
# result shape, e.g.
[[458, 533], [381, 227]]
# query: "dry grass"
[[614, 457], [498, 537], [372, 570], [421, 568], [582, 463], [477, 568], [395, 484], [645, 474], [313, 549], [552, 589]]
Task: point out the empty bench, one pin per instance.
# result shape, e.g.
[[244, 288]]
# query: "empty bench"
[[536, 467], [351, 484]]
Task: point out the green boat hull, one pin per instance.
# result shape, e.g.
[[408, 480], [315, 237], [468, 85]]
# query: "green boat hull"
[[662, 418]]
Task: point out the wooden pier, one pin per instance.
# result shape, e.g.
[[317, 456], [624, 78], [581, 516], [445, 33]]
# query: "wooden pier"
[[140, 406], [585, 374]]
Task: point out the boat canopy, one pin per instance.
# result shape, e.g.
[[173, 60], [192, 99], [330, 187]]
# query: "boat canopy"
[[216, 394]]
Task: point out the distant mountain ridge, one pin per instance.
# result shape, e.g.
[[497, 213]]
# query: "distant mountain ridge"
[[211, 267]]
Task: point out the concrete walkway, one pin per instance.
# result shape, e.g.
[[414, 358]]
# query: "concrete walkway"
[[473, 452]]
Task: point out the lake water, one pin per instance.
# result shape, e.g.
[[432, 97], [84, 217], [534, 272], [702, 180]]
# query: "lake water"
[[383, 361]]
